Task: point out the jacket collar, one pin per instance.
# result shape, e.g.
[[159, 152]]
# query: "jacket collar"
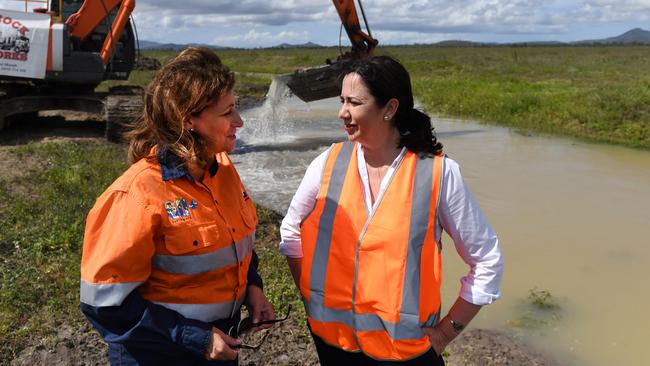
[[172, 167]]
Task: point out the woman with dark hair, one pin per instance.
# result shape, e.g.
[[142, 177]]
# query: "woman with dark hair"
[[168, 255], [363, 232]]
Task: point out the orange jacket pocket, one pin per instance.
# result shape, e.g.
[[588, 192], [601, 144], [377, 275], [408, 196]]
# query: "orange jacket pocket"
[[189, 239], [248, 214]]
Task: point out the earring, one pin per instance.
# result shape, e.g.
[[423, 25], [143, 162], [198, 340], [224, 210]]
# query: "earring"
[[192, 129], [386, 117]]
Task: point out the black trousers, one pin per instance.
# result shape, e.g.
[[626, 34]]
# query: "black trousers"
[[333, 356]]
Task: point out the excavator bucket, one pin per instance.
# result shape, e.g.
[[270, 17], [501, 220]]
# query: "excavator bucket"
[[316, 83], [324, 81]]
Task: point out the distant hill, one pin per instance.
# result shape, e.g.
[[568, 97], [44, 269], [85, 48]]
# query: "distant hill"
[[633, 36], [457, 43], [150, 45], [303, 45], [539, 43]]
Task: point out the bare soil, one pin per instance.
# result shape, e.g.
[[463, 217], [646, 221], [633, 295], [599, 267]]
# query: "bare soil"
[[496, 348], [50, 126], [288, 344]]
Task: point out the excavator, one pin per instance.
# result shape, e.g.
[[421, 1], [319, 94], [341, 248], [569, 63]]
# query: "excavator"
[[55, 53], [322, 81]]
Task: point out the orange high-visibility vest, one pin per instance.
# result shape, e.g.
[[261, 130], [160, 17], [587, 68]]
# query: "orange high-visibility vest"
[[371, 280], [184, 245]]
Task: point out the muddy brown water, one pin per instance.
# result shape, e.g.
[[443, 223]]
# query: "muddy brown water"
[[573, 219]]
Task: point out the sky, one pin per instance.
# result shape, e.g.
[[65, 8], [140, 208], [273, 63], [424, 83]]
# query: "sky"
[[267, 23]]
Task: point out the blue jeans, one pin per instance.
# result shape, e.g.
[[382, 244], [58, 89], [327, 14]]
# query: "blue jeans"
[[166, 354]]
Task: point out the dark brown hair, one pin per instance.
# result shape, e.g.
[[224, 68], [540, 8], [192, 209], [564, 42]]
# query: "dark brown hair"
[[184, 86], [386, 78]]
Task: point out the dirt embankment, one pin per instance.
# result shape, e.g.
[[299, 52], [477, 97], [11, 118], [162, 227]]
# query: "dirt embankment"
[[79, 344]]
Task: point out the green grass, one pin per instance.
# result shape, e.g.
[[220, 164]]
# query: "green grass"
[[542, 299], [278, 283], [539, 311], [42, 215], [593, 93], [599, 94]]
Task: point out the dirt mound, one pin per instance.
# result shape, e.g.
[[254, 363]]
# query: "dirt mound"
[[73, 345], [146, 63], [478, 347]]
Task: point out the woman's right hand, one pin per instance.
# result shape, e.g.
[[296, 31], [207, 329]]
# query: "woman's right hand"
[[221, 346], [437, 338]]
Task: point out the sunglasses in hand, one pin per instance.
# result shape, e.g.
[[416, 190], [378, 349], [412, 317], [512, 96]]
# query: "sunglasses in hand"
[[254, 340]]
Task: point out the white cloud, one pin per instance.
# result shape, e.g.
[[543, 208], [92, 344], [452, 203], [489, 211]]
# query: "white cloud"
[[398, 37], [267, 38], [417, 20], [613, 11]]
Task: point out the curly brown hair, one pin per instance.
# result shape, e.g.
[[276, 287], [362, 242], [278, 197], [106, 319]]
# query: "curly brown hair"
[[183, 87]]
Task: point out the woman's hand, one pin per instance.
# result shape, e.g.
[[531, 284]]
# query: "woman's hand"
[[259, 307], [437, 338], [221, 346]]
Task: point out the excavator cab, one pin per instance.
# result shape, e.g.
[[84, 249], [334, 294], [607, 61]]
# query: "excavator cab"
[[60, 50], [323, 81]]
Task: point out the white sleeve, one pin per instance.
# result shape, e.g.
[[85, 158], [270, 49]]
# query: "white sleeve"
[[301, 205], [475, 240]]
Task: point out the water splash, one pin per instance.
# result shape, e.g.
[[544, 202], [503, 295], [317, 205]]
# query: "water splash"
[[271, 119]]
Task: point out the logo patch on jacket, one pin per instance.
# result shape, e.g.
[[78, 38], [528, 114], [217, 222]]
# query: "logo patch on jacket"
[[179, 209]]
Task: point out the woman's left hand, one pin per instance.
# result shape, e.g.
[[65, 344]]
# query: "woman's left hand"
[[259, 307], [437, 338]]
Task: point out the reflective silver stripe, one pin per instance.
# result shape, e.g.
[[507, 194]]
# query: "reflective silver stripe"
[[205, 312], [245, 246], [105, 294], [317, 310], [193, 264], [407, 328], [438, 228], [326, 223], [432, 320], [420, 204]]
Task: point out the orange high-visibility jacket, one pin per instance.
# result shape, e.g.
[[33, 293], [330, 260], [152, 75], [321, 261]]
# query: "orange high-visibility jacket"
[[371, 280], [182, 244]]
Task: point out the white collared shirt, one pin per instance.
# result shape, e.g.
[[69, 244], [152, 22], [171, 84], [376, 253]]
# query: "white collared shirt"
[[459, 215]]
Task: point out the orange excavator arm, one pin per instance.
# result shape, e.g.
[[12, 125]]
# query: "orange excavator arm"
[[362, 43], [323, 81], [82, 23]]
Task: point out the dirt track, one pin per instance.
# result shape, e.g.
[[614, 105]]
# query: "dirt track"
[[79, 344]]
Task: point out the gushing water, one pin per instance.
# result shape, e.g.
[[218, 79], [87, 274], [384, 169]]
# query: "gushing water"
[[270, 121]]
